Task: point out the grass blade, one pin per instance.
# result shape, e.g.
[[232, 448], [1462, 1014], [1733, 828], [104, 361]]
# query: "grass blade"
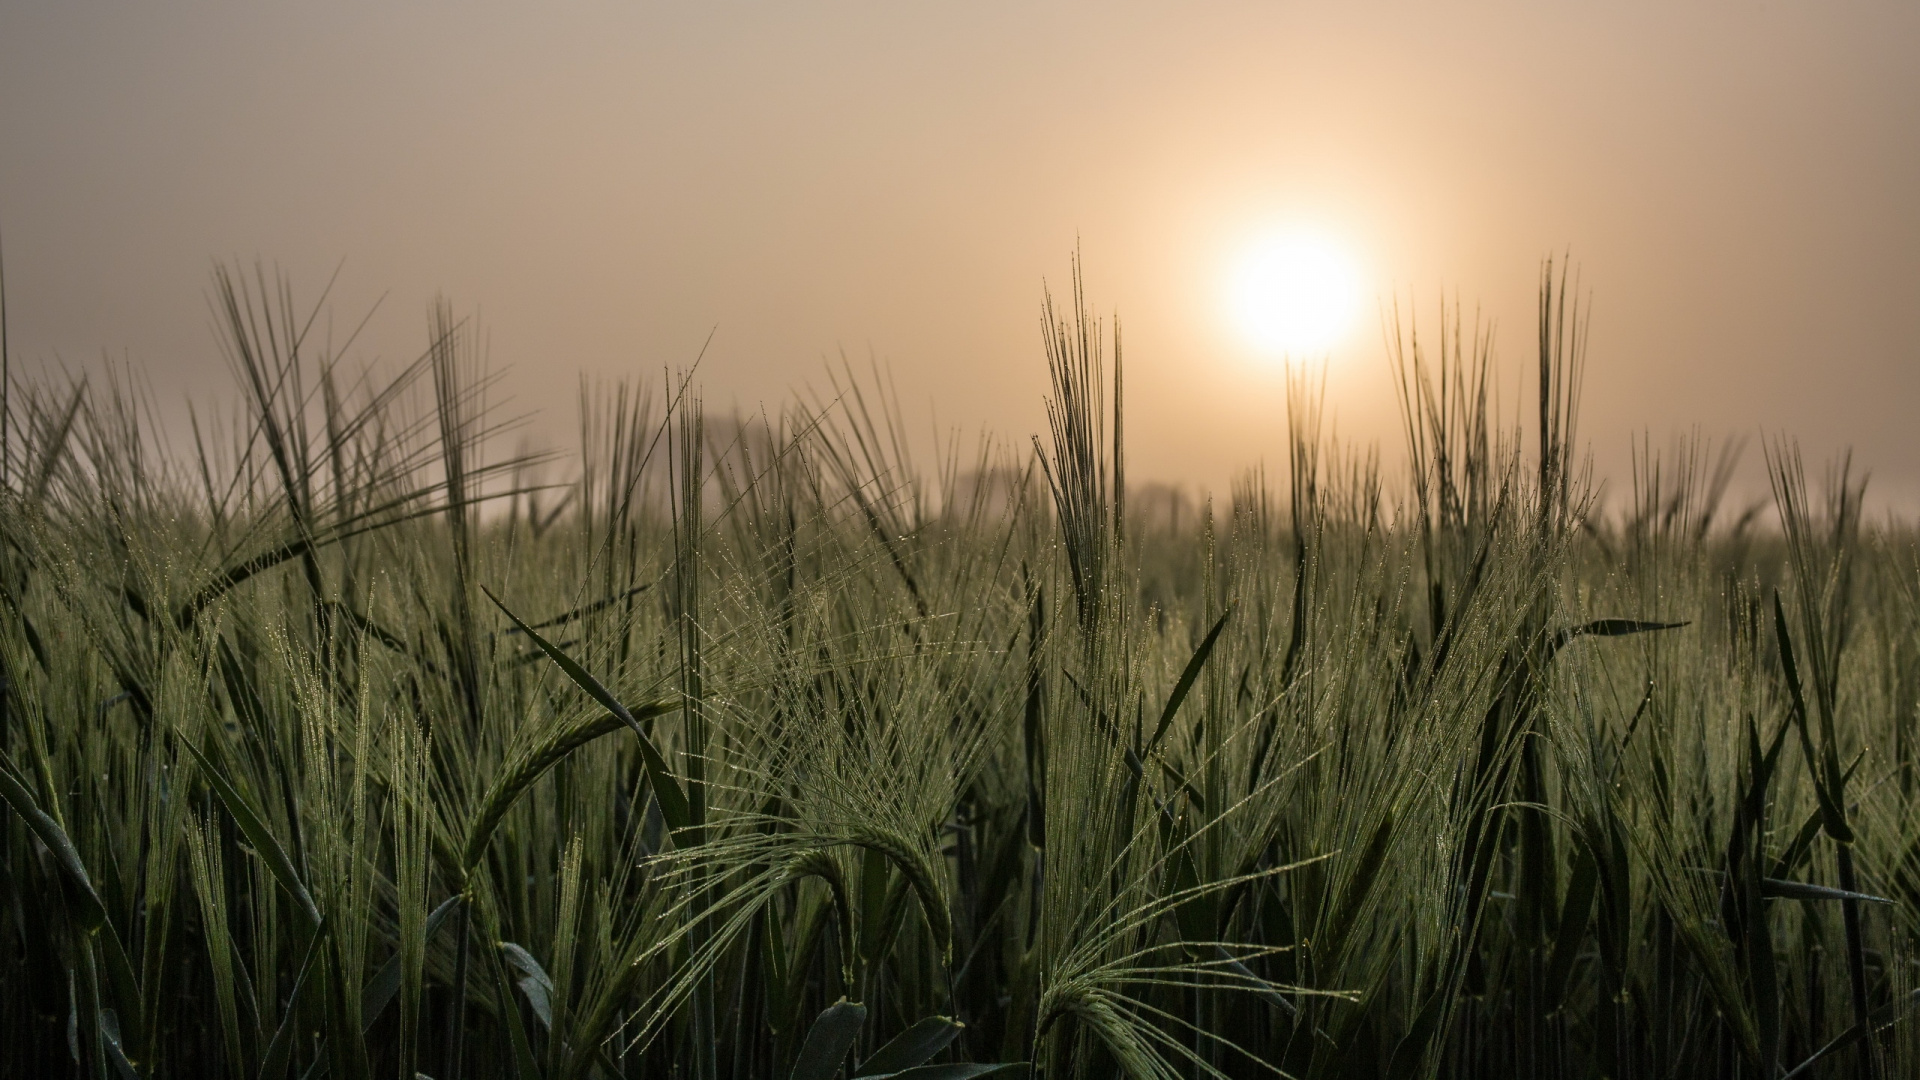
[[92, 915], [954, 1071], [829, 1041], [912, 1047], [273, 1062], [254, 825], [1800, 890], [1574, 916], [673, 800], [1185, 683], [533, 982], [385, 983], [525, 1068]]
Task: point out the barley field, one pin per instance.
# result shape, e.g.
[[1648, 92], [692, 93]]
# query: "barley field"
[[342, 740]]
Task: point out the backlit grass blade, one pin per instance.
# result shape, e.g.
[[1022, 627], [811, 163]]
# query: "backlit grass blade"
[[1833, 816], [1185, 683], [1746, 913], [582, 612], [1801, 845], [1611, 628], [673, 800], [253, 824]]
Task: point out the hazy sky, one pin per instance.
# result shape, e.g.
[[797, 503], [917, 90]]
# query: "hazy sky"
[[605, 185]]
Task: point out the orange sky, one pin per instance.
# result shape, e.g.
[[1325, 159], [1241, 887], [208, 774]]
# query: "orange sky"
[[606, 184]]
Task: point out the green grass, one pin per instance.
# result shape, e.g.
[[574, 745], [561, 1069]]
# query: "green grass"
[[346, 746]]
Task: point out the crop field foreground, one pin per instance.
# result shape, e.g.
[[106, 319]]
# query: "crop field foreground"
[[347, 744]]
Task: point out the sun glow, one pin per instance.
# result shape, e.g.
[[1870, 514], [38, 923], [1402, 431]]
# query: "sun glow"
[[1294, 293]]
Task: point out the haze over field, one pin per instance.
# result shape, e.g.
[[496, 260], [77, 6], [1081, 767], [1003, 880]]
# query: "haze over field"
[[606, 185], [366, 730]]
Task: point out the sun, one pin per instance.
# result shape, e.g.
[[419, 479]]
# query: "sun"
[[1294, 293]]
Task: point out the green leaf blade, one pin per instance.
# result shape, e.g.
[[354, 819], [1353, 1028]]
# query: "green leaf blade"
[[914, 1046], [829, 1041]]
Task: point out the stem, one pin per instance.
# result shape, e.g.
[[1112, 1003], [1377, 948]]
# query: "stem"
[[1856, 962], [457, 1019]]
